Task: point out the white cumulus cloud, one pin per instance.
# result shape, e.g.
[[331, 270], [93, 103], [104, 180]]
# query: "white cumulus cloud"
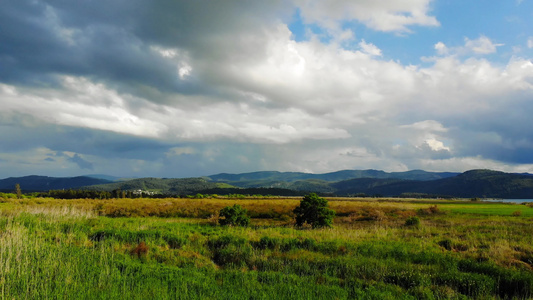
[[370, 48], [482, 45]]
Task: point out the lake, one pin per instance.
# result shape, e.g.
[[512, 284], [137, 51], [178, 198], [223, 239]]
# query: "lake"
[[508, 200]]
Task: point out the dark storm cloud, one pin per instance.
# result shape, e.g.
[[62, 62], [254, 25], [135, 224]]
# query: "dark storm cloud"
[[499, 145], [115, 41], [35, 47], [498, 131], [26, 45], [79, 140], [82, 163]]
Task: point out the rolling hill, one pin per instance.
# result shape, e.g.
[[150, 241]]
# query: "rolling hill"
[[36, 183], [249, 179], [179, 186], [474, 183]]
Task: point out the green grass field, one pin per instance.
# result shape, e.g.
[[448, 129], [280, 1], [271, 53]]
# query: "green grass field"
[[173, 249], [493, 209]]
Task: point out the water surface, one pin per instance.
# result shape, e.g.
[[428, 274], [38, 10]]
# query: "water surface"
[[508, 200]]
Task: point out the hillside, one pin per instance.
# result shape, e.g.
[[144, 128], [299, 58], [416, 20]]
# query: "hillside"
[[45, 183], [274, 178], [474, 183], [181, 186], [485, 183]]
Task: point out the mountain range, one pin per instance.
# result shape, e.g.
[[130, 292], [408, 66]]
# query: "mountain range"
[[415, 183]]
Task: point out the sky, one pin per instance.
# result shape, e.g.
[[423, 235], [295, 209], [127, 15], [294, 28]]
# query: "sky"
[[176, 88]]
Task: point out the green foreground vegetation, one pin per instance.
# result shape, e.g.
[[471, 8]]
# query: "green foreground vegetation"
[[175, 249]]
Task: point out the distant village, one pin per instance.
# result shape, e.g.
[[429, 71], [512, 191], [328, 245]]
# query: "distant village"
[[142, 193]]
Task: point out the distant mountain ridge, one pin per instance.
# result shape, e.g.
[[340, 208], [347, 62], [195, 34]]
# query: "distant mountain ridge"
[[245, 178], [35, 183], [473, 183]]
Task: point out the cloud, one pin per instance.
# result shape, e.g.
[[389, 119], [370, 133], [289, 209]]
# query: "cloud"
[[79, 102], [441, 48], [380, 15], [480, 46], [369, 48], [177, 151], [530, 42], [82, 163], [436, 145], [182, 88], [426, 125]]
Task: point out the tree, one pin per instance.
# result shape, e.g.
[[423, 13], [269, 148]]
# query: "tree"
[[314, 211], [234, 215], [18, 191]]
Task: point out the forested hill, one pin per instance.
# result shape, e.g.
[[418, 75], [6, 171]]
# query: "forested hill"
[[45, 183], [474, 183], [259, 178], [175, 186]]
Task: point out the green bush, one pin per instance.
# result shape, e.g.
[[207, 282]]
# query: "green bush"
[[233, 256], [314, 211], [446, 244], [412, 221], [234, 216]]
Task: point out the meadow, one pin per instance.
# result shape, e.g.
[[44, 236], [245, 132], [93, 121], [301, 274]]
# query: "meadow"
[[174, 249]]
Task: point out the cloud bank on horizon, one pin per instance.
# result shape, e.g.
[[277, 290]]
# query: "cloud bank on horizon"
[[172, 88]]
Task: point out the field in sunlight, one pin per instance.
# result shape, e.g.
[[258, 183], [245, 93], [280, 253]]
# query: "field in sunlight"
[[173, 248]]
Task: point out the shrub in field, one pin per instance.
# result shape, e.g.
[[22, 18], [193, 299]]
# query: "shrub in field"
[[432, 210], [367, 215], [285, 218], [314, 210], [234, 216], [377, 215], [412, 221], [141, 250], [230, 251], [233, 255], [18, 191], [517, 213], [214, 219], [446, 244], [405, 213]]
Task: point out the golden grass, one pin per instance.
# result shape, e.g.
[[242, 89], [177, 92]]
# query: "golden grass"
[[503, 239]]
